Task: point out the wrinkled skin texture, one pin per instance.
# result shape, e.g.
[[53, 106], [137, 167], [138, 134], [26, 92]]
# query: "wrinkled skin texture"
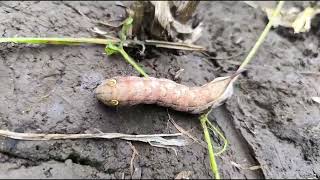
[[270, 120], [134, 90]]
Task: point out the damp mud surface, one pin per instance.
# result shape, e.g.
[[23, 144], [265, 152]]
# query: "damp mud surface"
[[270, 121]]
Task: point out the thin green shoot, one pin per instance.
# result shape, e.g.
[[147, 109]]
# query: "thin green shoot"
[[216, 130], [60, 41], [82, 41], [111, 48], [262, 36], [204, 118], [213, 163], [125, 30]]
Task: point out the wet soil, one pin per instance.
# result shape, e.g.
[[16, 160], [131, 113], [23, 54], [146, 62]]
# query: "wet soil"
[[270, 121]]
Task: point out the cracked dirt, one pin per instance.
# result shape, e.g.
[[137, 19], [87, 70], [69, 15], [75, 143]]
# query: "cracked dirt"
[[270, 121]]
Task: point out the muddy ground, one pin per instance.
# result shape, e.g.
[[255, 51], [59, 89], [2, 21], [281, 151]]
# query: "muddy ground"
[[270, 121]]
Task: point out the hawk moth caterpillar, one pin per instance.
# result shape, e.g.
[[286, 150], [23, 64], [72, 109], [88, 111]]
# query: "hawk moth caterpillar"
[[132, 90]]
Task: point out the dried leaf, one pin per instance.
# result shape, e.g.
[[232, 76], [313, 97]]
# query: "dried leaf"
[[174, 45], [178, 73], [303, 21], [166, 147], [252, 168], [235, 164], [153, 139], [162, 13], [137, 11], [261, 4], [293, 17], [316, 99], [119, 3], [98, 31], [183, 175], [195, 35], [174, 27], [252, 4], [184, 10], [285, 18]]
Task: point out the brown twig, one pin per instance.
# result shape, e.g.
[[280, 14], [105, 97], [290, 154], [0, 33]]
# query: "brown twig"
[[184, 132], [134, 153]]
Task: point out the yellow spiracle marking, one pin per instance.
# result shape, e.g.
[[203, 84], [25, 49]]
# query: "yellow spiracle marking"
[[112, 82], [114, 102]]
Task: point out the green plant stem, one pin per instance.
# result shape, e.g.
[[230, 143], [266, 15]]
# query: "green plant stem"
[[262, 36], [123, 37], [75, 41], [204, 118], [213, 163], [132, 62], [66, 41], [216, 130], [80, 41]]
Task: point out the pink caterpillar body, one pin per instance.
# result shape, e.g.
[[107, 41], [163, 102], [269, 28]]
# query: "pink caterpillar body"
[[133, 90]]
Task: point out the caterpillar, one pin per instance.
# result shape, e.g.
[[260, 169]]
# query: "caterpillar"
[[132, 90]]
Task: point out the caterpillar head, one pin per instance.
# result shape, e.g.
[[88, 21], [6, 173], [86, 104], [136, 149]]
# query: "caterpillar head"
[[105, 92]]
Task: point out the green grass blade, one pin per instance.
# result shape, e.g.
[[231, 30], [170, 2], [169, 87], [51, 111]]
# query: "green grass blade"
[[125, 28], [262, 36], [132, 62], [225, 141], [213, 163], [60, 41]]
